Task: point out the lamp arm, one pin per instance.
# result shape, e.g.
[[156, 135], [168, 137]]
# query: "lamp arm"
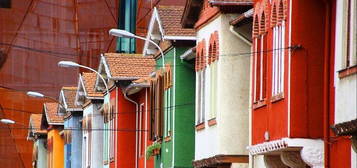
[[100, 76], [157, 46]]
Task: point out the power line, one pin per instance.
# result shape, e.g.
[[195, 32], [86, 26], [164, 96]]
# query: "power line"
[[80, 129]]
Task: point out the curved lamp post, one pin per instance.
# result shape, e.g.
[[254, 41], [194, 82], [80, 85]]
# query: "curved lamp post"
[[126, 34], [71, 64], [40, 95], [7, 121]]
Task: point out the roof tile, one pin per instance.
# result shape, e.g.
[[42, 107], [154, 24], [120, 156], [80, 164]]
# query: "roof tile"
[[51, 113], [170, 17], [129, 66], [70, 95], [35, 122], [89, 84]]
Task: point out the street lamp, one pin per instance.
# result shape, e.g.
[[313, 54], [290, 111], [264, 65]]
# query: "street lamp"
[[40, 95], [7, 121], [126, 34], [70, 64]]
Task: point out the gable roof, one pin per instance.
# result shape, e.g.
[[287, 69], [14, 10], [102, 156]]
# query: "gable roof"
[[193, 8], [88, 81], [127, 66], [68, 95], [35, 124], [50, 111], [170, 17]]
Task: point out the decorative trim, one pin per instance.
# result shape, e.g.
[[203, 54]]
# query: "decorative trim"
[[277, 97], [273, 161], [346, 128], [220, 160], [259, 104], [200, 126], [212, 122], [313, 156], [292, 159], [347, 71]]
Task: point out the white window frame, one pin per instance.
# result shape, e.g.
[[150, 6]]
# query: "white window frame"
[[278, 59]]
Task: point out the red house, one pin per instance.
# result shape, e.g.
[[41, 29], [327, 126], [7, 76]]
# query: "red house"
[[122, 120], [292, 55]]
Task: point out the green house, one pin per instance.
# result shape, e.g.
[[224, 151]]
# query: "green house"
[[172, 88]]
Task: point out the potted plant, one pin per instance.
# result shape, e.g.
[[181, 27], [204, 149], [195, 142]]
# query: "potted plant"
[[153, 149]]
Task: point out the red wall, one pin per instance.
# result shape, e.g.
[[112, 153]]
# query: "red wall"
[[143, 97], [126, 132], [307, 76]]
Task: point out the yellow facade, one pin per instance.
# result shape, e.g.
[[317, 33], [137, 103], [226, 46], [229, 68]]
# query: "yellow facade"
[[55, 149]]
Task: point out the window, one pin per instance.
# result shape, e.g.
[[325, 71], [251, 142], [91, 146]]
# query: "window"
[[201, 80], [127, 21], [278, 58], [168, 100], [350, 33], [260, 61], [142, 123], [112, 121], [157, 97], [213, 58]]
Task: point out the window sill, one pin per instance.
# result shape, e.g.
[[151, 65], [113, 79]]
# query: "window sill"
[[347, 71], [200, 126], [167, 139], [212, 122], [259, 104], [277, 97]]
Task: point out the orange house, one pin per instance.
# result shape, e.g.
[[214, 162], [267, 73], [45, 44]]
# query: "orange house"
[[55, 142]]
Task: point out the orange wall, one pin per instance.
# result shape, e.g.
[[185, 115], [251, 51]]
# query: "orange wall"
[[57, 150]]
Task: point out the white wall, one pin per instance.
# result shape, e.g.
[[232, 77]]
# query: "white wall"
[[97, 135], [231, 133], [345, 92]]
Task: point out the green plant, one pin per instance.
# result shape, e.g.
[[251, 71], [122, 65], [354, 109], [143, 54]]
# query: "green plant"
[[153, 149]]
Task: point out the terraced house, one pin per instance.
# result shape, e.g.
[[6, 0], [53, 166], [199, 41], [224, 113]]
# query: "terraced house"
[[72, 127], [172, 96], [121, 112], [39, 138], [53, 123], [222, 81], [91, 102]]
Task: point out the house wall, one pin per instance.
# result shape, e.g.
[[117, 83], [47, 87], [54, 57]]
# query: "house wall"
[[126, 132], [143, 99], [76, 153], [97, 135], [42, 153], [67, 147], [233, 79], [57, 148], [345, 100], [179, 150]]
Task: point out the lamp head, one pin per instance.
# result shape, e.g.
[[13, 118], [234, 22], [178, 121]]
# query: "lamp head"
[[35, 94], [121, 33], [67, 64], [7, 121]]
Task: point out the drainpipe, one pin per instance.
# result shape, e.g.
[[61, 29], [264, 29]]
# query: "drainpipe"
[[240, 36], [136, 126]]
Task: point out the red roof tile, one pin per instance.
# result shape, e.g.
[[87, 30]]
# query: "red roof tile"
[[51, 114], [69, 95], [89, 83], [35, 122], [129, 66], [170, 17]]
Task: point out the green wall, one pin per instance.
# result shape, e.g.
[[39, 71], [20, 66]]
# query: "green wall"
[[179, 113]]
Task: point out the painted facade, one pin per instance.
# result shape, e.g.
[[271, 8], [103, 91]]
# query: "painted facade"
[[92, 122], [222, 85], [172, 88], [73, 128], [55, 142], [121, 113], [39, 138], [291, 82], [344, 113]]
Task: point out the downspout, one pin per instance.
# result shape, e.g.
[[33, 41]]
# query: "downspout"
[[136, 126], [115, 127], [327, 82], [240, 36]]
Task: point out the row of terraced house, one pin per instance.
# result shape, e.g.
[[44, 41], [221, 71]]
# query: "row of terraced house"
[[239, 83]]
